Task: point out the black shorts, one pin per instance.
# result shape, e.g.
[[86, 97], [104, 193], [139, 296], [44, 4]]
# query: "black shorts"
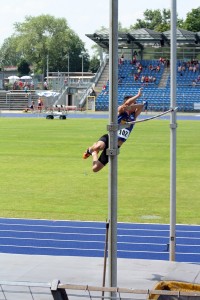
[[103, 158]]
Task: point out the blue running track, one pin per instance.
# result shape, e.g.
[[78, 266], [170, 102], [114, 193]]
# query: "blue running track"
[[102, 115], [71, 238]]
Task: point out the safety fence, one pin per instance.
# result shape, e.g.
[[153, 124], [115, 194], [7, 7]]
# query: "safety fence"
[[58, 291]]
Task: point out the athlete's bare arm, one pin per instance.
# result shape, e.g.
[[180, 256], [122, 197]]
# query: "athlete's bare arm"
[[139, 109], [129, 102]]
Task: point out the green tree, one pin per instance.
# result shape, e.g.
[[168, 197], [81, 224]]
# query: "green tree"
[[94, 64], [9, 53], [156, 20], [46, 36], [23, 68], [192, 21], [121, 28], [98, 51]]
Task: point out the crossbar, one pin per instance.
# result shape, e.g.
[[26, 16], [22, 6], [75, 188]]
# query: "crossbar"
[[148, 119]]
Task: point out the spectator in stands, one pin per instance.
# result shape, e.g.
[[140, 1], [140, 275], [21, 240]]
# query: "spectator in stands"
[[104, 87], [190, 68], [45, 85], [162, 60], [150, 67], [26, 89], [92, 92], [183, 67], [15, 85], [194, 83], [167, 63], [142, 78], [136, 77], [150, 78], [158, 68], [154, 68], [134, 60], [121, 61], [146, 106], [31, 107], [40, 104], [179, 68], [20, 84], [119, 80], [140, 68], [31, 85], [127, 112], [146, 80], [154, 79], [104, 90]]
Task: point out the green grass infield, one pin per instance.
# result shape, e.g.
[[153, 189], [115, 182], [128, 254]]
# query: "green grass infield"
[[43, 175]]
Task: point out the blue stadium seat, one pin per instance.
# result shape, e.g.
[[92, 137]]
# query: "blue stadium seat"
[[159, 98]]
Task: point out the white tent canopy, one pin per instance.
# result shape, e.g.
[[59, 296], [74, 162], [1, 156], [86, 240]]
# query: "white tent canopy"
[[48, 94], [13, 78], [26, 77]]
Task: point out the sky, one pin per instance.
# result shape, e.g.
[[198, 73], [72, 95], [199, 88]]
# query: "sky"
[[83, 16]]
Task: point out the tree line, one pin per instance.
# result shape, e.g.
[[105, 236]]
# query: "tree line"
[[43, 39]]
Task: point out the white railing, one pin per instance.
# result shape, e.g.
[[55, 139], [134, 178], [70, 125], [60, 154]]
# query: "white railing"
[[94, 81], [25, 290]]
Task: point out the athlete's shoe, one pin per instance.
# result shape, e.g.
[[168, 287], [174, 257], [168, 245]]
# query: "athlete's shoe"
[[86, 154]]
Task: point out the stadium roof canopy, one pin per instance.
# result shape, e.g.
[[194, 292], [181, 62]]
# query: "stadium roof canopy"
[[141, 38]]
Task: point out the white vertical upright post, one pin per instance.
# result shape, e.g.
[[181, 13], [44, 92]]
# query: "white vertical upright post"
[[173, 126], [82, 68], [81, 56], [68, 69], [113, 148], [47, 67]]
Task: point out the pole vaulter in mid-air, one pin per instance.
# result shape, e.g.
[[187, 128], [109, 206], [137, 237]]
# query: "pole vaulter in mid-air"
[[127, 115]]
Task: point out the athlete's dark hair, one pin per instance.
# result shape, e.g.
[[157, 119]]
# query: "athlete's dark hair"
[[127, 97]]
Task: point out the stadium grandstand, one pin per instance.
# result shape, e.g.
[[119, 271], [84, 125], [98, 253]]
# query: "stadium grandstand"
[[144, 60]]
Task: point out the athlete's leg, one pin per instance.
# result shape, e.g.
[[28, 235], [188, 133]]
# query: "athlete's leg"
[[96, 164], [98, 146]]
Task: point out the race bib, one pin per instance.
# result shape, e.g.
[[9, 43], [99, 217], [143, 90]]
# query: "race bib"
[[123, 133]]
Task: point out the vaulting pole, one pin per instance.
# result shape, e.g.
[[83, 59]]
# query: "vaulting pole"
[[105, 257], [113, 149], [173, 126]]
